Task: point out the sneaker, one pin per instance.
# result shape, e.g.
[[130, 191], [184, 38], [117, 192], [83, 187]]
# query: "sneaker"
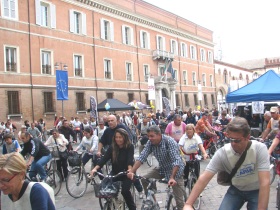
[[141, 195]]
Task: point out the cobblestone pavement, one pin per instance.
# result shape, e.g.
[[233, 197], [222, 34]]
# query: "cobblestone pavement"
[[211, 196]]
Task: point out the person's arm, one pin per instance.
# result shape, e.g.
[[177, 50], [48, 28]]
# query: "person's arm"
[[199, 186], [40, 199], [267, 130], [94, 143], [172, 181], [132, 171], [64, 140], [204, 154], [18, 148], [264, 183], [274, 144], [168, 129], [100, 146]]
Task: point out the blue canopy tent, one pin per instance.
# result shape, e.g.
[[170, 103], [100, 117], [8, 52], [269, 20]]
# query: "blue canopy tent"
[[265, 88]]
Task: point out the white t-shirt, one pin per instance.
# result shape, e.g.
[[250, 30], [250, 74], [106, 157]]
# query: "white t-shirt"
[[190, 145]]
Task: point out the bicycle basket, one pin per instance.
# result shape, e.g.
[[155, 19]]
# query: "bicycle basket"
[[74, 159], [107, 188]]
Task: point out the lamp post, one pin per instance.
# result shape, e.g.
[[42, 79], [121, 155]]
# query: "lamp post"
[[57, 66]]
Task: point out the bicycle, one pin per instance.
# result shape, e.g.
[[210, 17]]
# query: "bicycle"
[[53, 179], [77, 180], [134, 136], [192, 178], [109, 198], [150, 202]]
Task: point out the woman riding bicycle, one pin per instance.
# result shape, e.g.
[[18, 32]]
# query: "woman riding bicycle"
[[121, 153], [90, 144], [189, 144]]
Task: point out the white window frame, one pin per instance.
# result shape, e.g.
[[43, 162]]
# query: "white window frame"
[[17, 59], [110, 30], [210, 56], [194, 79], [8, 8], [82, 25], [211, 80], [144, 41], [193, 53], [175, 74], [160, 43], [146, 76], [185, 77], [111, 68], [174, 44], [51, 14], [127, 35], [50, 59], [82, 65], [184, 50], [127, 73], [202, 55], [203, 78]]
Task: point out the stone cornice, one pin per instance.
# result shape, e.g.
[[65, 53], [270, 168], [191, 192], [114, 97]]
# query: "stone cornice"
[[141, 20]]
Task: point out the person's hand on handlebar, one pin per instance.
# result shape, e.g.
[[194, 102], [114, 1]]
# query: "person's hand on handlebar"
[[98, 154], [92, 172], [172, 182], [130, 174]]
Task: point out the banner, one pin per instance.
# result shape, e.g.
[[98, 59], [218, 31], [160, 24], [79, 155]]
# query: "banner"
[[93, 108], [257, 107], [61, 85], [167, 105], [151, 89]]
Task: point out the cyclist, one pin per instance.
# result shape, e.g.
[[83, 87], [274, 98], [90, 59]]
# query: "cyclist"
[[121, 153], [275, 142], [189, 144], [39, 155], [90, 143], [203, 127], [10, 144]]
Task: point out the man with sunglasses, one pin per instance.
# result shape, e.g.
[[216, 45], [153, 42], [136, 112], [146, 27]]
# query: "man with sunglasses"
[[251, 182]]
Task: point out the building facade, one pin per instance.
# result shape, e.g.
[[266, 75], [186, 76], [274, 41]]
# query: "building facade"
[[109, 48]]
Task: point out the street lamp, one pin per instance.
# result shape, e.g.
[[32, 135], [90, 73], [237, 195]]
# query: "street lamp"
[[61, 85]]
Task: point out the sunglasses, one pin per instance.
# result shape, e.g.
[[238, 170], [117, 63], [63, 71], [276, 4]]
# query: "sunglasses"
[[234, 140]]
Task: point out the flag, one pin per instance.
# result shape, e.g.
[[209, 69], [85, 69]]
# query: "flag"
[[171, 70], [167, 105], [61, 85], [93, 107]]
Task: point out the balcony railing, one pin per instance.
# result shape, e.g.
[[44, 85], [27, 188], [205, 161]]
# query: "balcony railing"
[[107, 75], [46, 69], [128, 77], [78, 72], [160, 54], [11, 67]]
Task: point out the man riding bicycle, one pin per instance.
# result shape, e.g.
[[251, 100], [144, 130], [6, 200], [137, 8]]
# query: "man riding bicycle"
[[203, 127], [39, 155]]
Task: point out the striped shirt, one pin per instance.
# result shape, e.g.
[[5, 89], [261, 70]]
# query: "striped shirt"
[[167, 155]]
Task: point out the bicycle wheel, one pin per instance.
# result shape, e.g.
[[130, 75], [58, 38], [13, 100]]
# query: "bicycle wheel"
[[212, 150], [171, 203], [272, 171], [190, 185], [150, 160], [278, 196], [54, 180], [76, 182]]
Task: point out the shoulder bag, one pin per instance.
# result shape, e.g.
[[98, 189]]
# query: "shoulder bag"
[[223, 177]]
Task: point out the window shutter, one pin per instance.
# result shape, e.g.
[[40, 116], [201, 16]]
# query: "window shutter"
[[71, 19], [53, 16], [123, 34], [163, 43], [84, 24], [148, 40], [112, 31], [157, 42], [131, 36], [171, 46], [102, 29], [38, 12], [182, 50], [141, 38], [13, 9]]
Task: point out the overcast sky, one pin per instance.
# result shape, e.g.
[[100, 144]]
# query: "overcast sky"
[[246, 29]]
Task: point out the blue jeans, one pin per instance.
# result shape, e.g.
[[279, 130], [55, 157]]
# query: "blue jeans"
[[234, 199], [37, 166]]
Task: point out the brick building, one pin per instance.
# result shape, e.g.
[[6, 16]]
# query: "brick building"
[[110, 49]]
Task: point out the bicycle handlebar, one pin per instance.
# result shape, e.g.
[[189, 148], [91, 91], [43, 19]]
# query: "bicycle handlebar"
[[110, 176]]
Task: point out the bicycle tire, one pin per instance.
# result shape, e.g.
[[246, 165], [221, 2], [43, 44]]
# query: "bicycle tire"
[[54, 180], [76, 182], [171, 203], [150, 160], [272, 171], [190, 185], [212, 151], [278, 196]]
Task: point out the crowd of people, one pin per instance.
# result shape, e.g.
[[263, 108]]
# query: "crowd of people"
[[173, 138]]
